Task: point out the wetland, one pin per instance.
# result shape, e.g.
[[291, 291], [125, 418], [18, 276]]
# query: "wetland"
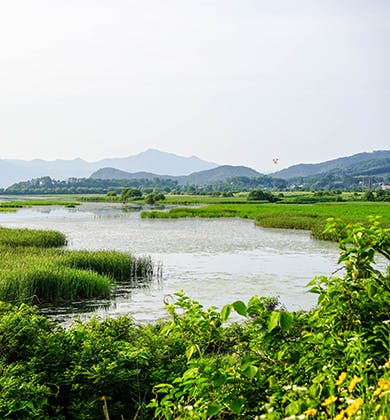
[[214, 261]]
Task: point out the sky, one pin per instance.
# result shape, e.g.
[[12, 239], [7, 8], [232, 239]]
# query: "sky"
[[233, 82]]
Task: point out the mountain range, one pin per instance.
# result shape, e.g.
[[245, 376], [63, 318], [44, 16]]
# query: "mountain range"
[[186, 170], [343, 163], [362, 164], [218, 174], [152, 160]]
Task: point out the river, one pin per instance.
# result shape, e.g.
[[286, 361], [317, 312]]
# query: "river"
[[215, 261]]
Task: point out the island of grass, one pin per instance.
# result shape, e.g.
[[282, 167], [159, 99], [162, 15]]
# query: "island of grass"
[[311, 217], [35, 269]]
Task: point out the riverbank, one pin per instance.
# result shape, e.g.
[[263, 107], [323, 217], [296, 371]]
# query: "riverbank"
[[310, 217]]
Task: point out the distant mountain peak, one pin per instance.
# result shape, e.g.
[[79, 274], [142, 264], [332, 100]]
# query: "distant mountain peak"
[[150, 161], [310, 169]]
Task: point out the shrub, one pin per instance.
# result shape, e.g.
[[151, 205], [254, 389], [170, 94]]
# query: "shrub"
[[259, 195]]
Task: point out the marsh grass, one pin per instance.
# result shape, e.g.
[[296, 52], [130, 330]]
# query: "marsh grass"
[[204, 199], [45, 283], [41, 274], [30, 203], [29, 237], [310, 217], [117, 265]]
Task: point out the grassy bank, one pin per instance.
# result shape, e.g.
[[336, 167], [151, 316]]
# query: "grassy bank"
[[289, 216], [30, 237], [330, 363], [34, 270], [15, 204]]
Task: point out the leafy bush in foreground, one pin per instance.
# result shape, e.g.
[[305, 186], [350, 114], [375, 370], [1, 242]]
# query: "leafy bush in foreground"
[[327, 363], [332, 362]]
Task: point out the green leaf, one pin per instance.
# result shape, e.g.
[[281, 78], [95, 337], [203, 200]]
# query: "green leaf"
[[190, 351], [190, 373], [240, 307], [30, 405], [213, 409], [274, 321], [219, 380], [225, 312], [315, 390], [286, 320], [236, 405], [293, 408], [250, 371], [372, 290]]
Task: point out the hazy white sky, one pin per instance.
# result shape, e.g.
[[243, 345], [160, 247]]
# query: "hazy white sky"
[[232, 81]]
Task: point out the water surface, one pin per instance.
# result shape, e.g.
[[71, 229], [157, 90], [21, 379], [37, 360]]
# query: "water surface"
[[215, 261]]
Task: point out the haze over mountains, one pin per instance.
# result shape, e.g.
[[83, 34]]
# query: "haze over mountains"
[[155, 161], [186, 170], [375, 163]]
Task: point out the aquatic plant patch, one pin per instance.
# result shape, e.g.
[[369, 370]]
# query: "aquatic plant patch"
[[118, 265], [46, 283], [311, 217], [32, 270], [30, 237], [30, 203]]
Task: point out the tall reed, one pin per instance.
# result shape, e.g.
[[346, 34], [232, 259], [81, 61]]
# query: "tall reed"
[[47, 283], [33, 272], [30, 237], [117, 265]]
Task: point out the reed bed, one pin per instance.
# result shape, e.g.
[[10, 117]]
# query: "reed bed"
[[117, 265], [312, 222], [48, 283], [42, 274], [29, 237], [289, 216], [29, 203]]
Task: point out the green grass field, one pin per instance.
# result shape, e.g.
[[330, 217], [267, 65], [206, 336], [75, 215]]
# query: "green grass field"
[[290, 216]]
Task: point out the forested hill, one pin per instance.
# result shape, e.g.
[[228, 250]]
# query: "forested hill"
[[219, 174], [112, 173], [370, 167], [305, 170]]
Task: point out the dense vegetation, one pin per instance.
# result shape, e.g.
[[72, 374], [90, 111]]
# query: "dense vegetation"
[[15, 204], [34, 270], [331, 362], [346, 180], [46, 185], [289, 216]]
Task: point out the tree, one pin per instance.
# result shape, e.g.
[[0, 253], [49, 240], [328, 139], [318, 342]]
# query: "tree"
[[368, 196], [259, 195], [153, 198], [130, 194]]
